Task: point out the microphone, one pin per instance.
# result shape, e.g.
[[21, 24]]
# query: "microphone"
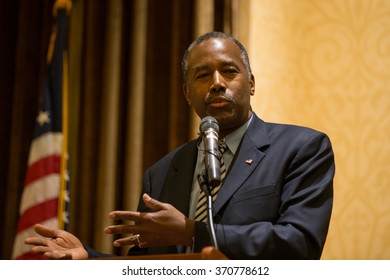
[[209, 130]]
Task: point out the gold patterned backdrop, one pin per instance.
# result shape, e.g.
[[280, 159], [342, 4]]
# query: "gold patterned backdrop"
[[326, 64]]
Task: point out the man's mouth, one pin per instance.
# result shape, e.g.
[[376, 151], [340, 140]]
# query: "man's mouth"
[[218, 103]]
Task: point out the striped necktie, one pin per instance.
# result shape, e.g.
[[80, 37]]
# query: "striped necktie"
[[201, 208]]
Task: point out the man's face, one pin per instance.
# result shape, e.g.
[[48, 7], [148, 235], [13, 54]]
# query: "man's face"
[[218, 84]]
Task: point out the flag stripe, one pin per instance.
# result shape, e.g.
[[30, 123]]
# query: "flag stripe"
[[43, 167], [38, 213], [46, 144], [40, 190]]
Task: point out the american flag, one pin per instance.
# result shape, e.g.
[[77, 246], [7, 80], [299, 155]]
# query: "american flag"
[[45, 197]]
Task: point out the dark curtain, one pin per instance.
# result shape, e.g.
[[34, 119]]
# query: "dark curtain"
[[24, 32], [25, 27]]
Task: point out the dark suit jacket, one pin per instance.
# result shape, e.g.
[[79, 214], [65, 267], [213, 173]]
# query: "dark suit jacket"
[[277, 207]]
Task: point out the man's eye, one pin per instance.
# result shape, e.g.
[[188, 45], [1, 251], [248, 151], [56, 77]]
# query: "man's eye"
[[230, 71], [202, 75]]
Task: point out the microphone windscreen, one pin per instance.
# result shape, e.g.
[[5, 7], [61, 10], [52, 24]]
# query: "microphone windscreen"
[[207, 123]]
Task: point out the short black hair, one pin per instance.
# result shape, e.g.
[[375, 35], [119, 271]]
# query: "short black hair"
[[215, 34]]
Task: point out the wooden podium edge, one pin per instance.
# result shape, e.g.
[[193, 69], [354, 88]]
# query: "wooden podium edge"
[[207, 253]]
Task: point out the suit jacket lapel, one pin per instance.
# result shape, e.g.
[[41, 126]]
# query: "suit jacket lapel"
[[178, 184], [248, 157], [177, 188]]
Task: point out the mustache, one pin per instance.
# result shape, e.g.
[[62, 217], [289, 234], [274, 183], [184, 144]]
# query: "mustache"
[[218, 97]]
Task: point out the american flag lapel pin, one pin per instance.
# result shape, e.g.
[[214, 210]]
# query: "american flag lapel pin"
[[249, 161]]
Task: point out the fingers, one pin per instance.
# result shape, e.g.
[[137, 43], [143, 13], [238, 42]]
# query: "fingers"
[[145, 227], [137, 216], [153, 203], [140, 240], [50, 254], [36, 241], [122, 229], [45, 231], [131, 240], [133, 216], [139, 236], [125, 216], [41, 246], [41, 250]]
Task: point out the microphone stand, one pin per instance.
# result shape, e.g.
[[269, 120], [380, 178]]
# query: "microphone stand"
[[203, 183]]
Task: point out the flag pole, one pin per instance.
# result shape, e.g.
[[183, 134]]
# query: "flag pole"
[[63, 196], [62, 4]]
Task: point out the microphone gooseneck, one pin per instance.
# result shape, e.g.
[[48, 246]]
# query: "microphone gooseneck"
[[211, 177]]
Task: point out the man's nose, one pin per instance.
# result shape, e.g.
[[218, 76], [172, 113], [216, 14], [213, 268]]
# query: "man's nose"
[[218, 82]]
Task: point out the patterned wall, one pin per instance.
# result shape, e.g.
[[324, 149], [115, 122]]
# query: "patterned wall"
[[326, 64]]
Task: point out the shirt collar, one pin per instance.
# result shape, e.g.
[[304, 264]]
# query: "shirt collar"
[[233, 139]]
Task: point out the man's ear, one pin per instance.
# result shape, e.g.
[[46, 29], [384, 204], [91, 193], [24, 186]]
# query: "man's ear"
[[187, 94], [252, 85]]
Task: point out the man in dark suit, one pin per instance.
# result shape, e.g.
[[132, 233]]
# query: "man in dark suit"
[[275, 201]]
